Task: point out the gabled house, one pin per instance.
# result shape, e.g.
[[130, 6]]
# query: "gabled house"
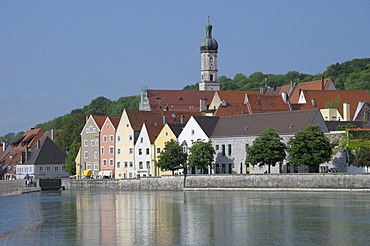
[[144, 150], [293, 89], [342, 104], [90, 146], [232, 135], [168, 132], [175, 100], [107, 146], [224, 98], [46, 160], [198, 127]]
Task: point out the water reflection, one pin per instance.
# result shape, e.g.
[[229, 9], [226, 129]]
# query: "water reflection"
[[87, 217]]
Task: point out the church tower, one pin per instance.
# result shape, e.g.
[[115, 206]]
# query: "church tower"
[[208, 54]]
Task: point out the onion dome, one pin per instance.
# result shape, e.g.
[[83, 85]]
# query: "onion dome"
[[208, 43]]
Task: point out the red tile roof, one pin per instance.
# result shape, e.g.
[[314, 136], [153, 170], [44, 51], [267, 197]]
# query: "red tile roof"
[[115, 120], [99, 120], [178, 100], [28, 139], [335, 98], [234, 96], [232, 109], [311, 85], [263, 103]]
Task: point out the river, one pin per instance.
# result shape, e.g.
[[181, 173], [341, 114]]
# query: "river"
[[96, 217]]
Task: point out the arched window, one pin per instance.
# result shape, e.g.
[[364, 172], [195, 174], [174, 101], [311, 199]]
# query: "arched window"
[[211, 77]]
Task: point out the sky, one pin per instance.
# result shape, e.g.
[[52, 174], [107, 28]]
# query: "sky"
[[56, 56]]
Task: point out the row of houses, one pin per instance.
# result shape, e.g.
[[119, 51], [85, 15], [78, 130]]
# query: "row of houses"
[[32, 155], [129, 145]]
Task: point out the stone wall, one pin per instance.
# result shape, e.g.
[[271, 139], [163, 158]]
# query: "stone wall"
[[11, 187], [263, 181]]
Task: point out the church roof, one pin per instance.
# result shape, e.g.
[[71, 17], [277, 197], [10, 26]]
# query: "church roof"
[[208, 43]]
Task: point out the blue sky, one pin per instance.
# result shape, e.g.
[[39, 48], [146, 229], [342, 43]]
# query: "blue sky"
[[56, 56]]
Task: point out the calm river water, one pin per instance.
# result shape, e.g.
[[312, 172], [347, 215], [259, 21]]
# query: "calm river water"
[[86, 217]]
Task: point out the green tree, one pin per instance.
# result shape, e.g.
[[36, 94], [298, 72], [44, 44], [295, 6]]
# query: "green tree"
[[201, 155], [171, 156], [267, 149], [310, 147], [362, 157], [70, 163]]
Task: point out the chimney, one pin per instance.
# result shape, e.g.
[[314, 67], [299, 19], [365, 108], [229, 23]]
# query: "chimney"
[[182, 119], [346, 111], [322, 83], [26, 155], [3, 146], [164, 120], [52, 134], [38, 144], [202, 106]]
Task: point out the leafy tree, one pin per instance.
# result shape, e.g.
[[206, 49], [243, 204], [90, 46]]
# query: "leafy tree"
[[310, 147], [171, 156], [70, 163], [362, 157], [201, 155], [267, 149]]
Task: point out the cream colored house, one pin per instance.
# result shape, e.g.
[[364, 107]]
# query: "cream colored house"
[[168, 132]]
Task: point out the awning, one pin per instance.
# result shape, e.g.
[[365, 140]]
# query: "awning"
[[87, 173], [105, 173]]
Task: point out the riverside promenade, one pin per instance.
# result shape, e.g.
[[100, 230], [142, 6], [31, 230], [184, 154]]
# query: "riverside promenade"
[[261, 182]]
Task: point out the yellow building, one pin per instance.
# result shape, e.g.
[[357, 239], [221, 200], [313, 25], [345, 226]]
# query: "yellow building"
[[78, 164], [168, 132]]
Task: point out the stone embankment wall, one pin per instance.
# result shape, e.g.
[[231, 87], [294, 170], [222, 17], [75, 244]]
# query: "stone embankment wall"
[[237, 182], [15, 187]]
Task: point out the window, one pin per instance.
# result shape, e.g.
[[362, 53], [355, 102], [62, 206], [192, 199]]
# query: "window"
[[131, 164], [124, 175], [130, 138], [223, 150], [104, 162], [211, 77], [107, 126], [126, 163], [111, 150], [246, 146], [85, 143], [158, 150], [130, 151], [41, 169], [192, 132], [217, 147], [47, 168], [111, 138], [166, 134], [88, 165], [118, 164], [85, 154], [148, 164], [229, 150], [104, 138], [230, 168], [102, 150], [118, 151], [118, 138], [96, 142], [141, 139], [94, 130], [90, 129], [92, 142], [147, 151], [223, 168], [140, 151], [96, 166], [87, 130], [110, 162], [95, 154], [140, 165]]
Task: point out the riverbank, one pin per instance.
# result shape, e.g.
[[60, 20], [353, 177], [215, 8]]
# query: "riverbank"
[[263, 182]]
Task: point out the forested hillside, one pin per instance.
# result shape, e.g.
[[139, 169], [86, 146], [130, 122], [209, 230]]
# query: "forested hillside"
[[350, 75]]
